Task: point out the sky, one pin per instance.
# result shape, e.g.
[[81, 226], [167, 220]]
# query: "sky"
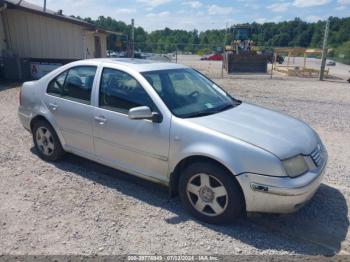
[[201, 14]]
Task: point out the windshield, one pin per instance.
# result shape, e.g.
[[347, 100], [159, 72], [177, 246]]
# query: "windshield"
[[188, 93]]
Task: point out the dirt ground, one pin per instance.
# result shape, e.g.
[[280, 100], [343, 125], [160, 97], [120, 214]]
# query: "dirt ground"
[[79, 207]]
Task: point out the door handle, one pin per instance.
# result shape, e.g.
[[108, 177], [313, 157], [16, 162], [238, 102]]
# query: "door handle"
[[100, 119], [53, 106]]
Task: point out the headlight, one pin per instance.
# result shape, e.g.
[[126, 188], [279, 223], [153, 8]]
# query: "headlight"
[[295, 166]]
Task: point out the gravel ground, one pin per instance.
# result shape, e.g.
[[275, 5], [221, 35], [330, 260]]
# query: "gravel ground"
[[79, 207], [339, 70]]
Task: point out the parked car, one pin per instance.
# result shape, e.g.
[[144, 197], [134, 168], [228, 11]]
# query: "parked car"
[[271, 58], [172, 125], [216, 57], [213, 57], [160, 58], [331, 63], [204, 57]]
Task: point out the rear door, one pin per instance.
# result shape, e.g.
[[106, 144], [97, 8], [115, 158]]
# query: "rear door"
[[69, 100]]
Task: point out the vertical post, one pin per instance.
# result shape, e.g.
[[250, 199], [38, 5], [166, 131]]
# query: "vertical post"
[[84, 46], [108, 52], [176, 53], [127, 45], [44, 5], [222, 66], [324, 51], [132, 38], [5, 26], [224, 52], [225, 41], [274, 58]]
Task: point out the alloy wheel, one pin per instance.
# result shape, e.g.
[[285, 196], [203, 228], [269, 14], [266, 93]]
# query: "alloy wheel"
[[207, 194], [44, 141]]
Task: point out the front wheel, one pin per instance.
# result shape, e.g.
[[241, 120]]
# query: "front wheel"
[[210, 193], [46, 141]]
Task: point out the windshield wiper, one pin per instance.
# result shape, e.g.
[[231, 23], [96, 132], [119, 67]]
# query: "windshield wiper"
[[213, 111], [209, 112], [201, 113]]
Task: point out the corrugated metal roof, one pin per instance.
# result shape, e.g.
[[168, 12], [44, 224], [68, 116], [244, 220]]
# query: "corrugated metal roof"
[[25, 5], [29, 5]]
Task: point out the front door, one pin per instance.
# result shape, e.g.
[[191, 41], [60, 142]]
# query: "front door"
[[68, 98], [137, 146]]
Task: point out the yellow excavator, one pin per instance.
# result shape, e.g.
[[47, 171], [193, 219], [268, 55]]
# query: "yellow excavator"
[[242, 55]]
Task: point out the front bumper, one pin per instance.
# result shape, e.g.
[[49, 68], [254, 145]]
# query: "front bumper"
[[279, 194]]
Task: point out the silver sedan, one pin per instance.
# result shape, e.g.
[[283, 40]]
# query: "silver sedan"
[[170, 124]]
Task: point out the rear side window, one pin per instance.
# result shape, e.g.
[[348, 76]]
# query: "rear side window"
[[74, 84], [120, 92], [56, 85]]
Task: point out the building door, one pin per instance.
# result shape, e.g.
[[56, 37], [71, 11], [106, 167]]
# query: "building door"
[[97, 47]]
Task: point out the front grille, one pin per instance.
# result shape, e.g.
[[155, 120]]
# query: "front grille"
[[316, 155]]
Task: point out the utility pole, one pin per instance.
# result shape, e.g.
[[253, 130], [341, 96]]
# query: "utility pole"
[[132, 38], [44, 5], [223, 52], [324, 51], [225, 40]]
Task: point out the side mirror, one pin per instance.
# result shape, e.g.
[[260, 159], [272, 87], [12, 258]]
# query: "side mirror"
[[144, 112]]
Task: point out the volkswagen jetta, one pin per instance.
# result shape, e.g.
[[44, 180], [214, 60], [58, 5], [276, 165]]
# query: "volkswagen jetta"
[[170, 124]]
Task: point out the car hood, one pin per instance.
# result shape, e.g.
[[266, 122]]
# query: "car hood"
[[282, 135]]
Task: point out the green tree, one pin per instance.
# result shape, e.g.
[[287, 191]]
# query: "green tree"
[[294, 33]]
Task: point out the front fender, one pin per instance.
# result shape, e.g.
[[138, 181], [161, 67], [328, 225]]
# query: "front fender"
[[201, 150], [188, 139]]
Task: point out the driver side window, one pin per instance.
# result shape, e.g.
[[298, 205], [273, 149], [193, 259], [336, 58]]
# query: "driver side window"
[[120, 92]]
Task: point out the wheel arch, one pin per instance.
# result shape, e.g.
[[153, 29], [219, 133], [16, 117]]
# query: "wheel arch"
[[43, 118], [185, 162], [36, 119]]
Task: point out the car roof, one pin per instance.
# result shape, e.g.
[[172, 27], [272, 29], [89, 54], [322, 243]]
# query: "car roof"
[[140, 65]]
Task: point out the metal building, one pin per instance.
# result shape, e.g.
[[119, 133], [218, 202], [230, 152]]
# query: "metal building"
[[34, 41]]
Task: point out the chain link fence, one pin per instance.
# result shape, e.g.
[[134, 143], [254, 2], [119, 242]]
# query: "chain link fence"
[[342, 53], [208, 59]]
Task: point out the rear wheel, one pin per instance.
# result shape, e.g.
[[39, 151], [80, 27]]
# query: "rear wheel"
[[210, 193], [46, 141]]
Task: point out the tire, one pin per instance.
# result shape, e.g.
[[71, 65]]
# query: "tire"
[[46, 141], [211, 189]]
